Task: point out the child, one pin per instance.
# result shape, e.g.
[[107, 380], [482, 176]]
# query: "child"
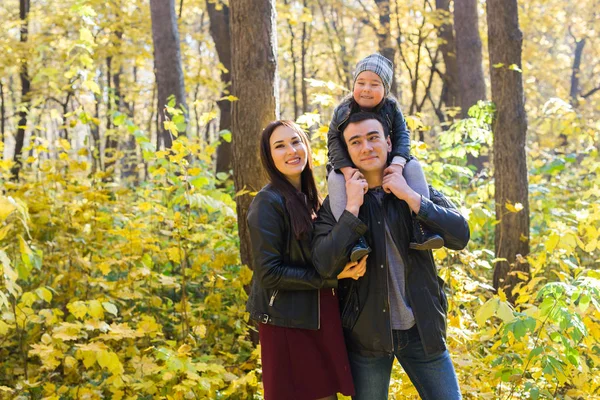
[[371, 92]]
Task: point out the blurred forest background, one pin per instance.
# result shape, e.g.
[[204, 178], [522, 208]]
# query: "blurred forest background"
[[129, 133]]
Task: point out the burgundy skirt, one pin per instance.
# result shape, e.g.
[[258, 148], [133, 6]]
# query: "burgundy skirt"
[[302, 364]]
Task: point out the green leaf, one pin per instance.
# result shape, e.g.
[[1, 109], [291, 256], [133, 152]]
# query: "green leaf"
[[534, 393], [226, 135], [119, 119]]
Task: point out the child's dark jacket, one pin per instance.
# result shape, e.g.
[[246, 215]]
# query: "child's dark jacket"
[[388, 109]]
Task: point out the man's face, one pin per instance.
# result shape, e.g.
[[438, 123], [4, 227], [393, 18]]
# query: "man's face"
[[367, 145]]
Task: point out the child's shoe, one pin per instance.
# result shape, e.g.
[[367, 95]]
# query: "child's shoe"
[[424, 239], [360, 249]]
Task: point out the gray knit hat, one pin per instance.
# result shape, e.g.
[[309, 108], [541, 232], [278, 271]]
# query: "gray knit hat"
[[380, 65]]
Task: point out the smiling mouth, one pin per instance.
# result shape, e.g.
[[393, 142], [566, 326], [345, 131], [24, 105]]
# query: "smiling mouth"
[[295, 161], [369, 158]]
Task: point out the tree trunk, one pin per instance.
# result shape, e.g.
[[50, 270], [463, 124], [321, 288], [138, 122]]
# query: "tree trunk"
[[254, 73], [2, 113], [468, 54], [451, 91], [470, 68], [303, 51], [505, 41], [384, 36], [25, 88], [167, 61], [221, 34], [575, 86], [110, 145]]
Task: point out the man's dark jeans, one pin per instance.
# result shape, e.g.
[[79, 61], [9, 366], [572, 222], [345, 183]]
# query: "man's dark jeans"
[[433, 375]]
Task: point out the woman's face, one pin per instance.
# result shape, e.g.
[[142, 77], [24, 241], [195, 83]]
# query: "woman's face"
[[288, 152]]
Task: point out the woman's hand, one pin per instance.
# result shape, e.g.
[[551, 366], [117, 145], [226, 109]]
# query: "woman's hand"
[[354, 269]]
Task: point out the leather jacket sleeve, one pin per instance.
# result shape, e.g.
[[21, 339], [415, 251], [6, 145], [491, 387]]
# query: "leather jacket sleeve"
[[442, 217], [336, 151], [400, 134], [333, 240], [266, 223]]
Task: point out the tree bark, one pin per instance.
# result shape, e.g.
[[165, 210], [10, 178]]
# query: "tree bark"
[[505, 41], [167, 61], [24, 6], [451, 92], [575, 86], [468, 55], [254, 73], [384, 35], [470, 67], [2, 112], [303, 51], [221, 34]]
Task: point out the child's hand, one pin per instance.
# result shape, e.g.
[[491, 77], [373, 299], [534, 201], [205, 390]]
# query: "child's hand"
[[393, 168], [356, 187], [348, 172]]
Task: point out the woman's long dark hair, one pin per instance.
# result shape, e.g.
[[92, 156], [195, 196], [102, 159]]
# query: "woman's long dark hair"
[[302, 205]]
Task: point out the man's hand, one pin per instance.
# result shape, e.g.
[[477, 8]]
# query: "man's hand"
[[348, 172], [354, 269], [394, 182], [356, 187]]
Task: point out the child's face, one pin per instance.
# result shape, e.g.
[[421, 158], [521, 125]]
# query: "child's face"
[[368, 90]]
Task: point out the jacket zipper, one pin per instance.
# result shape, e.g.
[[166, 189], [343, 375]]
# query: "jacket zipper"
[[318, 309], [273, 297], [401, 251], [343, 121], [387, 279]]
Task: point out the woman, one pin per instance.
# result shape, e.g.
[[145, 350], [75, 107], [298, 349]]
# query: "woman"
[[303, 351]]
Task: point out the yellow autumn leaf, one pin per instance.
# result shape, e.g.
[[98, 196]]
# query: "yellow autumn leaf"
[[514, 208], [6, 208], [44, 294], [78, 309], [111, 308], [109, 360], [173, 253], [95, 309], [4, 230], [3, 328], [200, 330]]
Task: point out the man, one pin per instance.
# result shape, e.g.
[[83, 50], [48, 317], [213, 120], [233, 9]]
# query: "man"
[[398, 308]]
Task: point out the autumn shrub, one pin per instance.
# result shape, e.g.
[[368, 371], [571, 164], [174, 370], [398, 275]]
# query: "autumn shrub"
[[113, 290]]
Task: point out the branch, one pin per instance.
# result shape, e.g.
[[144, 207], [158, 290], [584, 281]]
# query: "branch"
[[591, 92], [368, 20]]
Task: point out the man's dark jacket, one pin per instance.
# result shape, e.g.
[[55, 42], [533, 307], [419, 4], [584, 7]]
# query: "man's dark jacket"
[[285, 285], [364, 303], [388, 110]]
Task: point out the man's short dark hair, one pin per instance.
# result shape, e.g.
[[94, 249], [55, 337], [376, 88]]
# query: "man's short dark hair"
[[364, 116]]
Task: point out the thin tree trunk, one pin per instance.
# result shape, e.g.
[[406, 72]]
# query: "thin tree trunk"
[[254, 73], [221, 34], [575, 86], [469, 54], [384, 35], [167, 61], [448, 48], [294, 66], [2, 112], [470, 66], [24, 6], [303, 51], [505, 41]]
